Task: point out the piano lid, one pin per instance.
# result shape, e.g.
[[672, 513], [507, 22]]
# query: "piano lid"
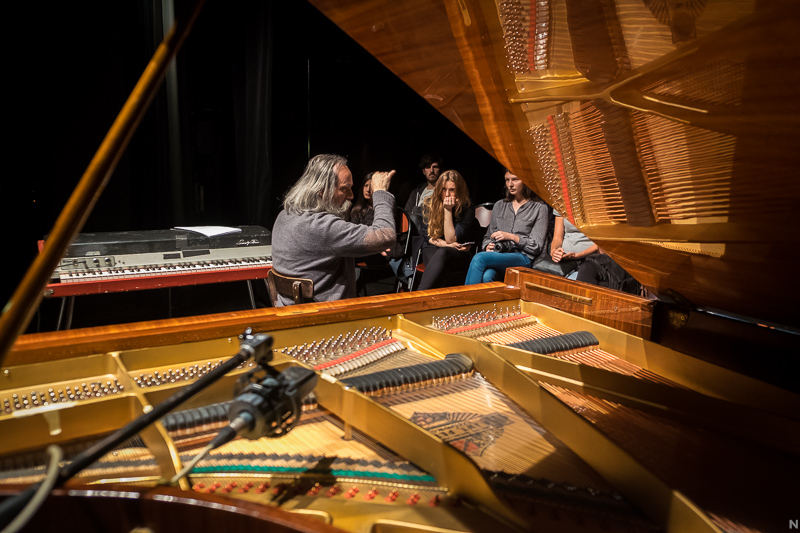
[[666, 131]]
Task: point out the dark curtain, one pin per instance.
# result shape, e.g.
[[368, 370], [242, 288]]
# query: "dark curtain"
[[253, 108]]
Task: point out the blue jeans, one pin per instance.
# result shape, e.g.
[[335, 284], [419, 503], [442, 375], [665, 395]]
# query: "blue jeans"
[[491, 266]]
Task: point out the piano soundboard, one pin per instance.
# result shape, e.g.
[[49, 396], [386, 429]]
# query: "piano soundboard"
[[135, 260]]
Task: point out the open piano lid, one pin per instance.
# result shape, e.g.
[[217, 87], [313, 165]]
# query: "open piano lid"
[[666, 131]]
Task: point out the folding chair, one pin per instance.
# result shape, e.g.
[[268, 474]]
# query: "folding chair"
[[412, 224], [418, 267], [483, 214], [405, 229]]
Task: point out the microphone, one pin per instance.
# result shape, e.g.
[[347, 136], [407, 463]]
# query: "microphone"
[[268, 408]]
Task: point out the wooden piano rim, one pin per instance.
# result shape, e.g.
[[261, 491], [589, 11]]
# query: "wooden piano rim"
[[160, 505], [51, 346], [629, 313]]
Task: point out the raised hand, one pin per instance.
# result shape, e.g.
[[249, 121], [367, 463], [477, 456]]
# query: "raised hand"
[[382, 180]]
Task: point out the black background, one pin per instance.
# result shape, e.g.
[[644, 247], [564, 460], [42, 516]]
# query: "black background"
[[73, 71]]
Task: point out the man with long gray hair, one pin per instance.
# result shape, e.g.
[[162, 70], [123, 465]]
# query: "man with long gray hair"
[[311, 238]]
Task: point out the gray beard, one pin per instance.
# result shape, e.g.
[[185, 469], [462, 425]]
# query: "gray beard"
[[342, 212]]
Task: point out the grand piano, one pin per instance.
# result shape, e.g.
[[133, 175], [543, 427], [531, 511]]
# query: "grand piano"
[[666, 131]]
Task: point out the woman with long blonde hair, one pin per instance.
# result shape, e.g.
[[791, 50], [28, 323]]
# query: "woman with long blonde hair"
[[450, 218]]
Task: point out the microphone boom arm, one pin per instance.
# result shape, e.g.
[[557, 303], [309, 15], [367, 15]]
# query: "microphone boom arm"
[[258, 346]]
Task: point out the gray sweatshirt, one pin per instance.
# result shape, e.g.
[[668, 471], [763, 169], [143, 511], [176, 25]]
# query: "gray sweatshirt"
[[322, 247], [529, 223]]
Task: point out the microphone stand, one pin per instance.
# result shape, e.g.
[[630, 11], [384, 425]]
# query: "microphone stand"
[[257, 346]]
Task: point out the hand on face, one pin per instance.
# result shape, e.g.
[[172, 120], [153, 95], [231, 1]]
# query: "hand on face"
[[449, 195], [382, 180]]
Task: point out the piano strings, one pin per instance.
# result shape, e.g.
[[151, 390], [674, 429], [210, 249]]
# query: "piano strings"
[[699, 177], [589, 179], [502, 437], [520, 447], [676, 452], [525, 464], [681, 182], [537, 36], [403, 358], [666, 170], [318, 439], [673, 450], [475, 417], [523, 327], [646, 38], [537, 40], [133, 459], [490, 428], [323, 437]]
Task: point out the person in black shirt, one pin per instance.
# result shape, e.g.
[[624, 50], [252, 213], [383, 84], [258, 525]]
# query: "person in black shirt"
[[450, 219]]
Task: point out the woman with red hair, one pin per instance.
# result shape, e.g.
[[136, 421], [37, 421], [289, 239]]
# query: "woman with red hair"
[[450, 217]]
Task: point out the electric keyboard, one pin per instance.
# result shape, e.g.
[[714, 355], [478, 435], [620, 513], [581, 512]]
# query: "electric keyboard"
[[135, 260]]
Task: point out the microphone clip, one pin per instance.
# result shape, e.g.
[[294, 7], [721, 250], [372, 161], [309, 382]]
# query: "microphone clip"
[[271, 406], [256, 345]]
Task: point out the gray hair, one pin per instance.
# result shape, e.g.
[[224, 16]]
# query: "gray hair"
[[315, 189]]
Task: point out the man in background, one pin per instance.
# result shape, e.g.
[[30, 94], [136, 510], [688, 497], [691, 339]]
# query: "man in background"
[[431, 166], [311, 238]]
